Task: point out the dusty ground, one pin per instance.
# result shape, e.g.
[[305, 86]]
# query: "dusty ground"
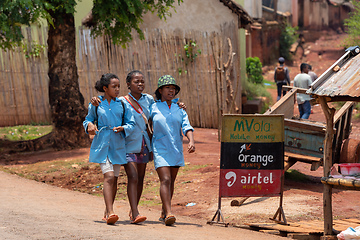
[[198, 181]]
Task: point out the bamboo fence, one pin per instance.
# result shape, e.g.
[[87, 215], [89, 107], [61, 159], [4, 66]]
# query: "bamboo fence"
[[210, 83]]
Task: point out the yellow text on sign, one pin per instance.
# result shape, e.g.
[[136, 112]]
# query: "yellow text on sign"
[[252, 128]]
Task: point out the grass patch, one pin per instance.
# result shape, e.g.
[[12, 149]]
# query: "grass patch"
[[24, 132], [189, 167], [296, 176], [269, 84]]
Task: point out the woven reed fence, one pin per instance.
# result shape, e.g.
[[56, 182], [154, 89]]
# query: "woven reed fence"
[[211, 76]]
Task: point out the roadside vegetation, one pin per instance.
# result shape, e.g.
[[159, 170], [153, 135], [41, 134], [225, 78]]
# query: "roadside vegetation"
[[256, 86], [24, 132]]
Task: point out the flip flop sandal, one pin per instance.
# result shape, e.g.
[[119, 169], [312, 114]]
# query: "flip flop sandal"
[[170, 220], [112, 219], [162, 217], [138, 219]]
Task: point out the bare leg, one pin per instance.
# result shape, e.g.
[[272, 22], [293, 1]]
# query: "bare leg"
[[167, 176], [131, 172], [141, 168], [108, 191], [114, 195]]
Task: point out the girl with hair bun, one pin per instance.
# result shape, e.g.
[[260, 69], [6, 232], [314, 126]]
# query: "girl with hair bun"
[[114, 123]]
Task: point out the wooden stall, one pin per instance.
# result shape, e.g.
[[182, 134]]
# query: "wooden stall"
[[341, 82]]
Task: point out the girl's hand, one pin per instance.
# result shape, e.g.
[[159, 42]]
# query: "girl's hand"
[[182, 105], [95, 101], [92, 129], [191, 147], [118, 129]]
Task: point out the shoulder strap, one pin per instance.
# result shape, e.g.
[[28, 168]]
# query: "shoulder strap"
[[133, 103], [123, 116]]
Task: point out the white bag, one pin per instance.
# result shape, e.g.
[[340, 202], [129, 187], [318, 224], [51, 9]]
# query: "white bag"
[[350, 234]]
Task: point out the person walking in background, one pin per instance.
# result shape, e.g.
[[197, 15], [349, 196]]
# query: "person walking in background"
[[281, 77], [168, 120], [313, 77], [303, 80], [108, 145], [312, 74]]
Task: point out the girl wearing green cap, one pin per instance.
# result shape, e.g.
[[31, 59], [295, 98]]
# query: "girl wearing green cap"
[[168, 120]]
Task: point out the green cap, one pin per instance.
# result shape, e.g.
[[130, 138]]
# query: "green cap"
[[167, 80]]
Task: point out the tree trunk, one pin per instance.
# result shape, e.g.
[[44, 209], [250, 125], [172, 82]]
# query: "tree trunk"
[[66, 101]]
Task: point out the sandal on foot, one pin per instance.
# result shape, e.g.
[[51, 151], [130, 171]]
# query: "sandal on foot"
[[170, 220], [162, 217], [112, 219], [105, 216], [138, 219]]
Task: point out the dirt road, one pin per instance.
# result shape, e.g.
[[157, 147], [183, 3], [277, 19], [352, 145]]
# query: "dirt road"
[[33, 210]]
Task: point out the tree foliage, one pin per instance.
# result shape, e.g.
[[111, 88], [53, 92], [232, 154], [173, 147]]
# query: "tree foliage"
[[116, 18], [14, 14], [254, 70], [288, 36], [353, 26]]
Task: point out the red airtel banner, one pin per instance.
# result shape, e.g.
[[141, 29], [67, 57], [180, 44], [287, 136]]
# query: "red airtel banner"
[[248, 183]]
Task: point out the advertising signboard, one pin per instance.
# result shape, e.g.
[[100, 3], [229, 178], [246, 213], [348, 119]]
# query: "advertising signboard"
[[252, 155]]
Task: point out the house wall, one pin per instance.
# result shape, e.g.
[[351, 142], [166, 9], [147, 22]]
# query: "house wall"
[[253, 8], [284, 6], [265, 41], [316, 15], [338, 15], [199, 15]]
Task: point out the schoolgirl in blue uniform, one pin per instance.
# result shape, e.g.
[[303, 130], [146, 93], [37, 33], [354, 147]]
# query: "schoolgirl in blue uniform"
[[108, 145], [168, 120], [138, 147]]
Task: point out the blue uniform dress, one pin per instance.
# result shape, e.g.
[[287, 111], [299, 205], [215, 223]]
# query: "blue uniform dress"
[[107, 143], [134, 140], [167, 139]]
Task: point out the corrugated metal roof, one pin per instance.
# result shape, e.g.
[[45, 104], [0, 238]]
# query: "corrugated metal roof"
[[342, 79]]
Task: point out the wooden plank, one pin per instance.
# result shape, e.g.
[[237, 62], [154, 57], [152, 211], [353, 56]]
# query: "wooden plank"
[[302, 236], [316, 127], [280, 227], [345, 223], [314, 224], [342, 110], [284, 106], [352, 220], [303, 229], [303, 158], [341, 182]]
